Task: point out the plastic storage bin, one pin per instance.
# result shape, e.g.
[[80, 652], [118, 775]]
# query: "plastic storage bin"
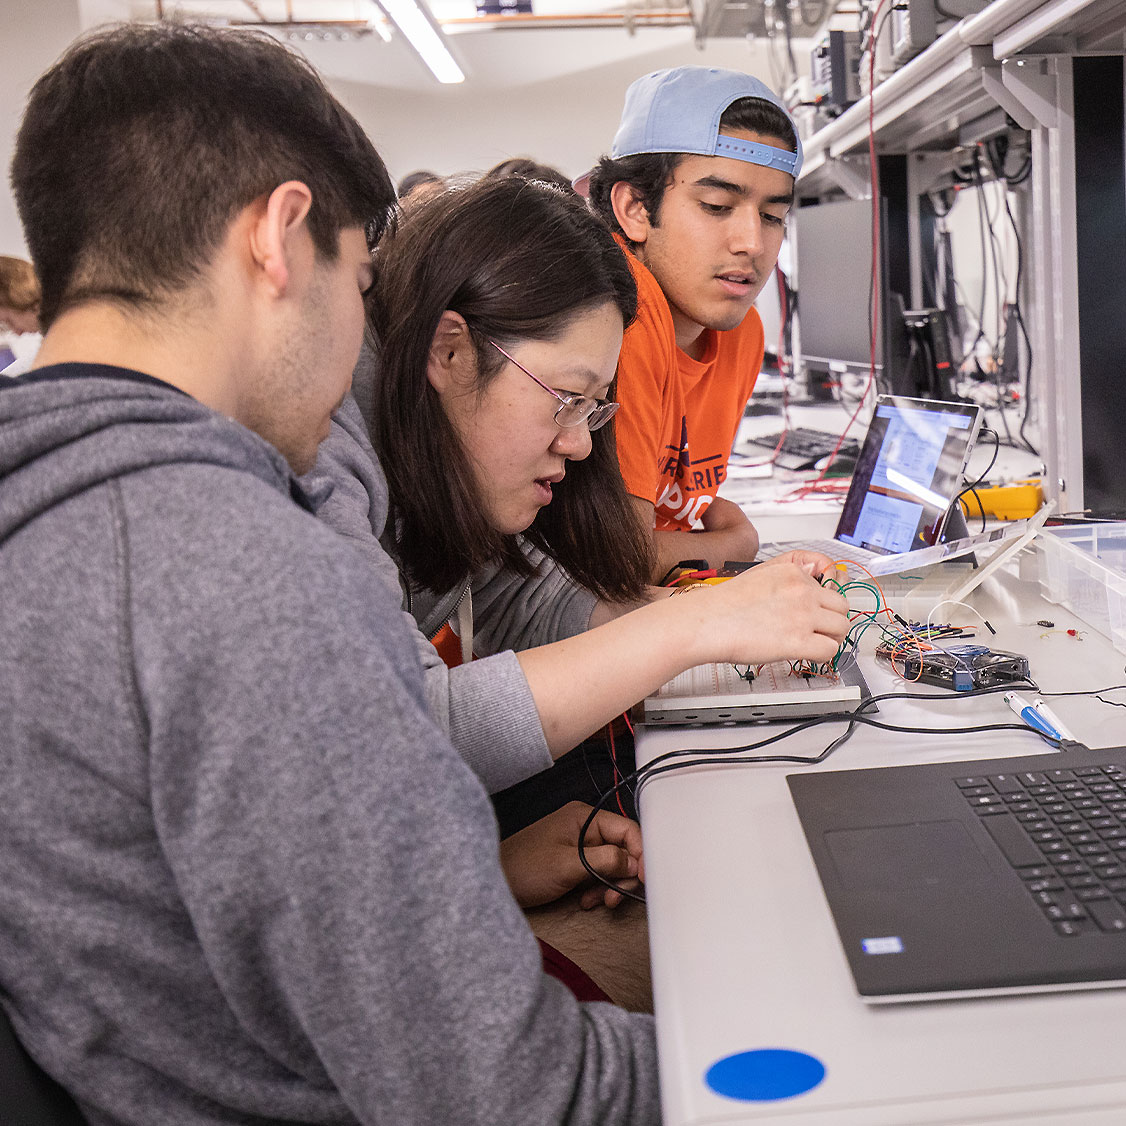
[[1083, 567]]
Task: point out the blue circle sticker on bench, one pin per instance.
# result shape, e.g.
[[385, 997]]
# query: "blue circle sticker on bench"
[[765, 1074]]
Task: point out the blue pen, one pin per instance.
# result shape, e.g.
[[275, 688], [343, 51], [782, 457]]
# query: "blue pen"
[[1031, 716], [1051, 717]]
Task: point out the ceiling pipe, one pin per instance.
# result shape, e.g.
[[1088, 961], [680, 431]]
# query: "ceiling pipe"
[[653, 17], [661, 17]]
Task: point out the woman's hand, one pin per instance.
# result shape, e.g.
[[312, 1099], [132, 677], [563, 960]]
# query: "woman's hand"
[[812, 562], [775, 612]]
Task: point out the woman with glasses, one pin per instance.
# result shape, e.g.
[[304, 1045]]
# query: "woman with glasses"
[[499, 311]]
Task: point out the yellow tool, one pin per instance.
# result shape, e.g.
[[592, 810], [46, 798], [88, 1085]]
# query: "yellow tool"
[[1005, 502]]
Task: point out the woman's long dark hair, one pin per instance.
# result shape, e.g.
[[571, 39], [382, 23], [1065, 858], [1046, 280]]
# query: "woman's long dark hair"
[[518, 261]]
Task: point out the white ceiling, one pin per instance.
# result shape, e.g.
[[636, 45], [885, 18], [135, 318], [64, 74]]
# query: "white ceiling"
[[337, 38]]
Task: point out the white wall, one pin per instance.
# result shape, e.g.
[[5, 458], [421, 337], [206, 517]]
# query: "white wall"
[[567, 120], [555, 95], [33, 33]]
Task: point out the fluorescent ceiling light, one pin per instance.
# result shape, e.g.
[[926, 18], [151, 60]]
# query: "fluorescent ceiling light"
[[423, 35]]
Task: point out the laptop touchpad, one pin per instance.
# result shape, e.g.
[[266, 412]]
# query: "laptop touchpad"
[[927, 853]]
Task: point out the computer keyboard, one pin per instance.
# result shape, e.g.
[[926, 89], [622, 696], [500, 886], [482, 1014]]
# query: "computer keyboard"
[[834, 549], [803, 448], [1064, 831]]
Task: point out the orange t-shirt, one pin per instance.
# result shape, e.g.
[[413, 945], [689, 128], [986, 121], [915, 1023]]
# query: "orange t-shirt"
[[679, 416]]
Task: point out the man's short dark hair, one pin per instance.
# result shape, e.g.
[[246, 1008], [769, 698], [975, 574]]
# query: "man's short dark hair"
[[649, 174], [141, 144], [417, 179]]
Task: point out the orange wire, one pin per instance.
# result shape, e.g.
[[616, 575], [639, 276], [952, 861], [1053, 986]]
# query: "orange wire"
[[875, 582], [614, 765]]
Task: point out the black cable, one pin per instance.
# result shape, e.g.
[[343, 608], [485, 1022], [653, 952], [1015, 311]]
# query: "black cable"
[[999, 387], [975, 182], [1000, 281], [722, 756], [972, 490], [1019, 315], [997, 150], [986, 222], [988, 469], [1021, 173], [708, 756], [1090, 692]]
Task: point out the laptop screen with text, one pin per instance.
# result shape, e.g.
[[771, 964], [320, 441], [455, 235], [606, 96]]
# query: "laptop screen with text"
[[908, 473]]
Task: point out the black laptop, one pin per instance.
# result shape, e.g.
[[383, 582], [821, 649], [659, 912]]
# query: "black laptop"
[[975, 878]]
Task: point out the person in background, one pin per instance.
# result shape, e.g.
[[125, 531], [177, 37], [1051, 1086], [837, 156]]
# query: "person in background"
[[244, 875], [415, 187], [531, 170], [697, 187], [19, 315]]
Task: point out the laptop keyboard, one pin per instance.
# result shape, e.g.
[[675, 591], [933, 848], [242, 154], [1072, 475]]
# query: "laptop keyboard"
[[834, 549], [803, 447], [1064, 831]]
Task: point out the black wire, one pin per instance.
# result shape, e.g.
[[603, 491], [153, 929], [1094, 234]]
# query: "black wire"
[[1019, 314], [1021, 173], [975, 181], [994, 251], [1089, 692], [988, 469], [877, 234], [996, 150], [722, 756], [1000, 282], [663, 764], [972, 490]]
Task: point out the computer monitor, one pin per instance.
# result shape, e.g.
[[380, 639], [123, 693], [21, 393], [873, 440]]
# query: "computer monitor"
[[833, 251], [929, 365]]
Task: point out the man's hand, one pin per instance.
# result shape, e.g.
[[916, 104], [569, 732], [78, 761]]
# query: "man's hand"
[[740, 539], [726, 534], [541, 862]]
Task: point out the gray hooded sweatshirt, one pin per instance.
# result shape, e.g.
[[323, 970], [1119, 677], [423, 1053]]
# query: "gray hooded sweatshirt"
[[485, 706], [244, 877]]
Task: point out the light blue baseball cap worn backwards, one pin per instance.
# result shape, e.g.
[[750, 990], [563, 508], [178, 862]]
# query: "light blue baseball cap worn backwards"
[[678, 111]]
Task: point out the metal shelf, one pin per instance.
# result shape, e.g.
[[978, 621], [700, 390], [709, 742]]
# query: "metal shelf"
[[933, 103]]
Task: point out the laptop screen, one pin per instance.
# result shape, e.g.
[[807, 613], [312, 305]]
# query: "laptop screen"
[[908, 473]]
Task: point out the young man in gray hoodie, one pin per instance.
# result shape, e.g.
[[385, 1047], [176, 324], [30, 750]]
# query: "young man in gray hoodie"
[[243, 875]]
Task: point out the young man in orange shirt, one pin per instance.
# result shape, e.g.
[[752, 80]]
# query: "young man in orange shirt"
[[697, 188]]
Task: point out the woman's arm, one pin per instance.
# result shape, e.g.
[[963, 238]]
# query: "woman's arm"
[[776, 611]]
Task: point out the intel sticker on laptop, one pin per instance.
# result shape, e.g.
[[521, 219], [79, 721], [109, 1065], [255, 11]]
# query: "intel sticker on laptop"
[[892, 944]]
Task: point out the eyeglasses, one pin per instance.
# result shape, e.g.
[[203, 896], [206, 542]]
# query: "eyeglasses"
[[572, 409]]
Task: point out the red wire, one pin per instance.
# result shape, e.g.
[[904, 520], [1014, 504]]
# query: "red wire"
[[781, 320], [874, 307], [614, 764], [874, 171]]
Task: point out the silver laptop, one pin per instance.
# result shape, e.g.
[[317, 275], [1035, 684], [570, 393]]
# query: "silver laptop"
[[901, 500]]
